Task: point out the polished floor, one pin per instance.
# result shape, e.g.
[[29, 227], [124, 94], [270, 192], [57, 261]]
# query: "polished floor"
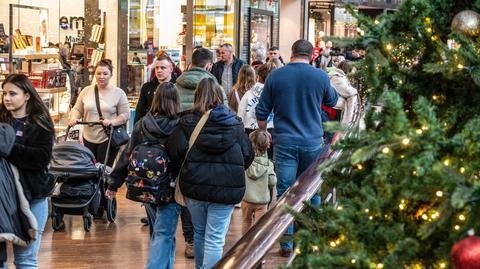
[[123, 244]]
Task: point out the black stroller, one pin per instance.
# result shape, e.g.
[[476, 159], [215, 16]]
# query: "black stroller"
[[80, 187]]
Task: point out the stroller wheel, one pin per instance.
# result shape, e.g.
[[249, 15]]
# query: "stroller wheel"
[[111, 209], [87, 223], [57, 223]]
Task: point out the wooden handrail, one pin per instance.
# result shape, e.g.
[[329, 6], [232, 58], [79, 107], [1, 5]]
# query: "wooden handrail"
[[250, 250]]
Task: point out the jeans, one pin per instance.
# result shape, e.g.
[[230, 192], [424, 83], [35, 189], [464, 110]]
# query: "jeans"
[[187, 226], [210, 223], [290, 162], [27, 257], [162, 240]]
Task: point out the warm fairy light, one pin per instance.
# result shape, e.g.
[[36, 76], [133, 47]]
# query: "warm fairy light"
[[333, 244], [353, 261], [414, 173], [380, 265], [434, 37], [370, 218], [385, 150], [427, 20], [402, 156], [401, 206], [339, 208], [439, 193], [359, 166], [389, 47], [434, 97], [315, 248], [461, 217], [435, 215], [297, 251], [376, 22], [462, 170], [446, 162], [362, 33], [424, 128], [443, 265], [429, 30], [460, 66], [338, 242], [367, 210], [419, 131], [457, 227], [400, 82], [424, 217], [406, 141]]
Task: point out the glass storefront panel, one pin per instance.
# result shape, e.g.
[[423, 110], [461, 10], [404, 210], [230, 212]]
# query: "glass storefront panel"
[[213, 23]]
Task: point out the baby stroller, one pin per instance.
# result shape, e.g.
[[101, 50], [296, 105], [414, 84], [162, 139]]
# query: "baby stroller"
[[80, 187]]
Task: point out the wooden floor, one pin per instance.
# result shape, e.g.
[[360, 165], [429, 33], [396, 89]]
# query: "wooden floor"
[[123, 244]]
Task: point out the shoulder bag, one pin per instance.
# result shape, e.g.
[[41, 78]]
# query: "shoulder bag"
[[178, 193], [118, 134]]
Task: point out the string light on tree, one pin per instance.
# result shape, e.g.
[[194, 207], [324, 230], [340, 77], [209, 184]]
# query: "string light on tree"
[[439, 193]]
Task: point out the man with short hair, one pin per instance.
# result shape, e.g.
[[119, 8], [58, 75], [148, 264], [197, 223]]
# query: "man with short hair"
[[295, 94], [226, 70], [273, 52], [202, 60], [163, 73]]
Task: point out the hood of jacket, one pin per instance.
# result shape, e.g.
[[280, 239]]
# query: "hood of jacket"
[[219, 133], [258, 168], [159, 127], [190, 79], [7, 139], [336, 72]]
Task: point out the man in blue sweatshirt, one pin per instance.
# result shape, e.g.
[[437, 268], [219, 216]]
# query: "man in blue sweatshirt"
[[295, 94]]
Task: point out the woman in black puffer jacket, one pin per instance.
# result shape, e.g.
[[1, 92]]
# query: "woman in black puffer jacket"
[[213, 176]]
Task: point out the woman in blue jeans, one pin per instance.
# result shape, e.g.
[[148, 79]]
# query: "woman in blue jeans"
[[213, 176], [157, 125], [23, 108]]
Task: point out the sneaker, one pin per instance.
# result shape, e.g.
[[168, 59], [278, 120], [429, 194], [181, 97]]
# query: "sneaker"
[[285, 252], [144, 220], [189, 254]]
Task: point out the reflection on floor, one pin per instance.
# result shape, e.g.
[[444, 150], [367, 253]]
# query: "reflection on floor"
[[123, 244]]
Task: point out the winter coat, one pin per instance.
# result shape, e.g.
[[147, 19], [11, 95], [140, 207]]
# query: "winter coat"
[[187, 83], [246, 108], [17, 222], [146, 98], [217, 70], [348, 95], [260, 177], [31, 154], [158, 127], [214, 170]]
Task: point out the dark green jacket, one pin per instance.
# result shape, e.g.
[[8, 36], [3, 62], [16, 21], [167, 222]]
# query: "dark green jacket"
[[187, 82]]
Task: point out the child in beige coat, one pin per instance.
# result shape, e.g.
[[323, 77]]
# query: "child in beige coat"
[[260, 179]]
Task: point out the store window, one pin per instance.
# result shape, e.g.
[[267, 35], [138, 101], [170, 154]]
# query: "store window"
[[153, 25], [213, 23], [44, 40]]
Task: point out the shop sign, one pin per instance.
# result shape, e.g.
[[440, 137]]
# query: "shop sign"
[[71, 23]]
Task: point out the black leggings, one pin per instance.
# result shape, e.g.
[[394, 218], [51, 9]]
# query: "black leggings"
[[100, 150]]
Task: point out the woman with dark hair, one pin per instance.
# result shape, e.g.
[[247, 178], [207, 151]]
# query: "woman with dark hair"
[[156, 126], [113, 104], [212, 178], [23, 108]]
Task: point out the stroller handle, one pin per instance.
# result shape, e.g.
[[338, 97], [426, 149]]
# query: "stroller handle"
[[89, 123]]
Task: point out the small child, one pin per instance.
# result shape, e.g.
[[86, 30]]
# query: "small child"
[[260, 179]]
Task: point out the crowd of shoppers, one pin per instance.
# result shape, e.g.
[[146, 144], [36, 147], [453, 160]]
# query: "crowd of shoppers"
[[233, 133]]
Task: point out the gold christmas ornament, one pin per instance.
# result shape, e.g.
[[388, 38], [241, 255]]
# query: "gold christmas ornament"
[[467, 22]]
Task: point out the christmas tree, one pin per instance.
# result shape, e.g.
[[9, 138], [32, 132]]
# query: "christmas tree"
[[407, 186]]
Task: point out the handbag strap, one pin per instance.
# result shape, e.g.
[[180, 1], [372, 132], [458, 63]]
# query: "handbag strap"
[[195, 134], [97, 102]]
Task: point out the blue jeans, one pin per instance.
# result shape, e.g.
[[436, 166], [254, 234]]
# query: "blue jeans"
[[290, 162], [210, 226], [27, 257], [162, 240]]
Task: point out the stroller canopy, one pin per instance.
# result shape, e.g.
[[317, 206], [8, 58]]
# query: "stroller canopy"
[[72, 160]]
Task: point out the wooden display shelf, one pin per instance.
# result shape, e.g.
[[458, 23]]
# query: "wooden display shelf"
[[51, 90], [31, 56]]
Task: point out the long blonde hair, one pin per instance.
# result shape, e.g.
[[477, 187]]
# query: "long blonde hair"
[[246, 80], [208, 95]]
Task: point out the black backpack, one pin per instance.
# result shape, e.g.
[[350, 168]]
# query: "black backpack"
[[149, 179]]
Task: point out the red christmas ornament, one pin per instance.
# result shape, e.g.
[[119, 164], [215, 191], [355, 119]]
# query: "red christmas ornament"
[[466, 253]]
